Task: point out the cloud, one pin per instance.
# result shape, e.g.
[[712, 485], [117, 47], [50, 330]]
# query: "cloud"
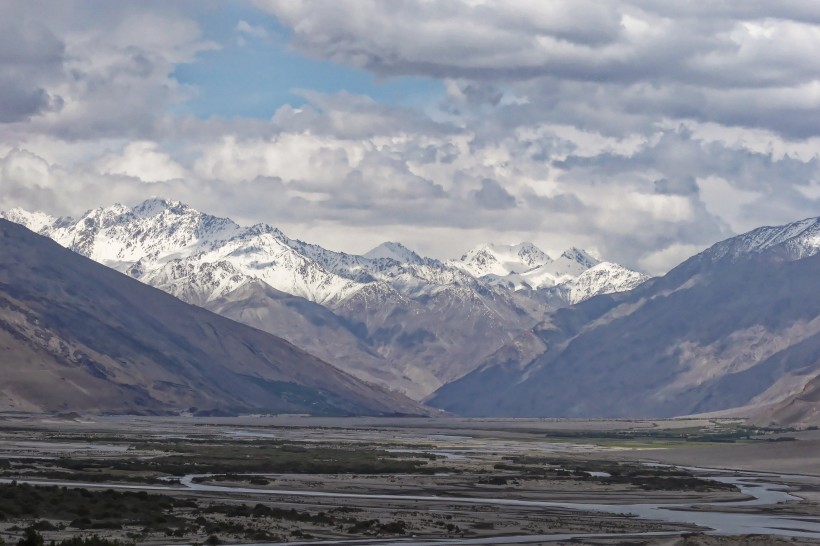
[[460, 91], [144, 160], [627, 41], [92, 70], [493, 196], [685, 185], [745, 65], [21, 102], [253, 31], [645, 129], [658, 262], [31, 57]]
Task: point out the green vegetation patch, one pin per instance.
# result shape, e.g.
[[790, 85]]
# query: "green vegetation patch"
[[649, 478], [260, 459], [659, 437], [86, 509]]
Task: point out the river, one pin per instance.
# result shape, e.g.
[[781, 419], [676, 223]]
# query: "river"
[[719, 521], [759, 487]]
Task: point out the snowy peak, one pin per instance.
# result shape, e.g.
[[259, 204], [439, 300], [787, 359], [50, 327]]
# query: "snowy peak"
[[192, 254], [35, 221], [156, 230], [529, 254], [394, 251], [801, 239], [526, 267], [567, 267], [524, 259], [199, 257], [156, 206], [580, 256], [501, 260], [604, 278], [261, 229]]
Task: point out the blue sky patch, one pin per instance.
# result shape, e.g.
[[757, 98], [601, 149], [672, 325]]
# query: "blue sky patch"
[[254, 72]]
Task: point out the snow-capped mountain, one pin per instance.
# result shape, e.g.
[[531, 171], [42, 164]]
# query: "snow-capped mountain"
[[563, 270], [800, 239], [501, 260], [193, 281], [603, 278], [78, 336], [526, 267], [168, 244], [171, 243], [396, 318], [394, 251], [735, 326]]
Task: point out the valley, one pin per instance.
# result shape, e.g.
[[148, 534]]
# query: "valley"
[[275, 479], [415, 273], [505, 330], [139, 414]]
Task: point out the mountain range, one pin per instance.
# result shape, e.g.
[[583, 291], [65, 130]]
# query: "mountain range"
[[737, 325], [503, 331], [78, 336], [389, 316]]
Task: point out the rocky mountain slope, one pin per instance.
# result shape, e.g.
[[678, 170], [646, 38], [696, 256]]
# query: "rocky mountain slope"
[[737, 325], [390, 316], [802, 409], [75, 335]]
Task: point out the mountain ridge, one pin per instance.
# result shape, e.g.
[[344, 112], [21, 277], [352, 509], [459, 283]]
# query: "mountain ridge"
[[736, 325], [80, 336], [174, 230], [381, 300]]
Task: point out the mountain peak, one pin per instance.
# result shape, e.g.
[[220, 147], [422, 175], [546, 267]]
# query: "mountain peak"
[[604, 278], [157, 205], [147, 340], [801, 239], [259, 229], [35, 221], [394, 251], [142, 240], [501, 260], [531, 255], [580, 256]]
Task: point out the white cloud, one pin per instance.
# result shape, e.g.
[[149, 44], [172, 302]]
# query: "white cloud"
[[645, 129], [663, 260], [739, 65], [109, 73], [142, 159], [727, 202], [254, 31]]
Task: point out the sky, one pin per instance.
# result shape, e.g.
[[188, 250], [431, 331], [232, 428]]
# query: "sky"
[[642, 130]]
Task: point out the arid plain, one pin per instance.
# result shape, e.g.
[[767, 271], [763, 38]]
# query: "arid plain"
[[267, 480]]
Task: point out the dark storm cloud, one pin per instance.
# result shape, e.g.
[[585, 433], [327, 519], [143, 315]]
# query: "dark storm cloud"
[[30, 57], [18, 102], [493, 196], [683, 185]]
